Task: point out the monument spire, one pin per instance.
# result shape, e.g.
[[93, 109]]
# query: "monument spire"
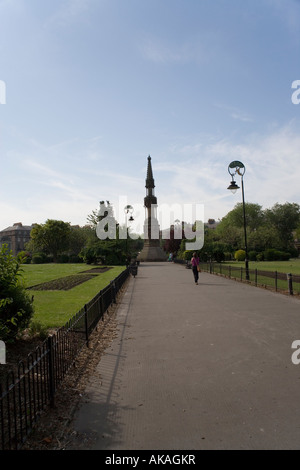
[[149, 179], [152, 250], [150, 199]]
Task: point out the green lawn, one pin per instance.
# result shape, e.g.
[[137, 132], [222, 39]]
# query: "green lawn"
[[38, 273], [54, 308], [291, 266]]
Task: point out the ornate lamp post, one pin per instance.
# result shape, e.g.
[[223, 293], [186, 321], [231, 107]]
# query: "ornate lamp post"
[[234, 168], [128, 210]]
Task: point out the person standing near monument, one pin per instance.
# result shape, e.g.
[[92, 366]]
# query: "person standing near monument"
[[195, 267]]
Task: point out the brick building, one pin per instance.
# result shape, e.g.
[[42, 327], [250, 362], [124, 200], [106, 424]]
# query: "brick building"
[[16, 237]]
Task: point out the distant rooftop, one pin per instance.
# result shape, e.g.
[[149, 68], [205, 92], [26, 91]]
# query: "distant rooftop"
[[17, 226]]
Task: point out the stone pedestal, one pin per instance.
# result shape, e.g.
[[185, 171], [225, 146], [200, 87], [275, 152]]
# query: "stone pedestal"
[[152, 253]]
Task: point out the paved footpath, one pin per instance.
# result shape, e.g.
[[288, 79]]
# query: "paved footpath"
[[196, 367]]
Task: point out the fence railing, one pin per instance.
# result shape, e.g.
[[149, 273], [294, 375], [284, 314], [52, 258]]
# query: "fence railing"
[[31, 388], [280, 282]]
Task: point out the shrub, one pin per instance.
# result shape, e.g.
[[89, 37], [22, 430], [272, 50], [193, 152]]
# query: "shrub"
[[202, 256], [218, 255], [252, 255], [36, 329], [16, 307], [275, 255], [75, 259], [88, 255], [188, 254], [293, 252], [64, 258], [270, 254], [24, 257], [37, 259], [284, 256], [240, 255]]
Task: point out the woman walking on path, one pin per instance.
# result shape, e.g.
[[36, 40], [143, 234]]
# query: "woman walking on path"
[[195, 266]]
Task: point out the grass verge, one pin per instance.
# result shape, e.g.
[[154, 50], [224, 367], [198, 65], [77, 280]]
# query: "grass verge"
[[54, 308], [290, 266], [263, 268]]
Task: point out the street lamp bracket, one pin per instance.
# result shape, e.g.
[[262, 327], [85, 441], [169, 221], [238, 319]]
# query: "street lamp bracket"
[[236, 167]]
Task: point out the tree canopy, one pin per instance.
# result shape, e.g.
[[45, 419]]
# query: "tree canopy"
[[274, 228], [284, 220], [53, 237], [270, 228], [113, 248]]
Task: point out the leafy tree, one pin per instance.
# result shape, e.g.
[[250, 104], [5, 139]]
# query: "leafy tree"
[[284, 219], [235, 218], [172, 244], [78, 239], [16, 307], [233, 237], [297, 232], [105, 211], [263, 238], [271, 228], [112, 251], [211, 249], [53, 237]]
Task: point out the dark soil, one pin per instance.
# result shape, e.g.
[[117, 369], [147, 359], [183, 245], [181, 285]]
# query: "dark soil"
[[64, 283], [97, 270], [68, 282]]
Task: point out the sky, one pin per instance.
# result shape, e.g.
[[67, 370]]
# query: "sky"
[[90, 88]]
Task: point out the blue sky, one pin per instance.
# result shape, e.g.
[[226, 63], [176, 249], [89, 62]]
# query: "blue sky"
[[95, 86]]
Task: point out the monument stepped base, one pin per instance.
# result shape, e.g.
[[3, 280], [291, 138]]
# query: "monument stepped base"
[[152, 253]]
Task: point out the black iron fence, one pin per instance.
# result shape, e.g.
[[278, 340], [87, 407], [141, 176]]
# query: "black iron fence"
[[32, 387], [280, 282]]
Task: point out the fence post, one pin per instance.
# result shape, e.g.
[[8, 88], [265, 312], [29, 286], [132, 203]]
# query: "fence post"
[[276, 281], [113, 290], [256, 276], [290, 283], [102, 304], [51, 371], [86, 325]]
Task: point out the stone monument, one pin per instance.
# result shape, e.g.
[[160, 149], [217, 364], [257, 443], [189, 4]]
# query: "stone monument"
[[152, 250]]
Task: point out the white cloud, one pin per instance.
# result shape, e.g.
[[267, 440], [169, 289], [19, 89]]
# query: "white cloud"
[[241, 117], [235, 113], [193, 173], [201, 172]]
